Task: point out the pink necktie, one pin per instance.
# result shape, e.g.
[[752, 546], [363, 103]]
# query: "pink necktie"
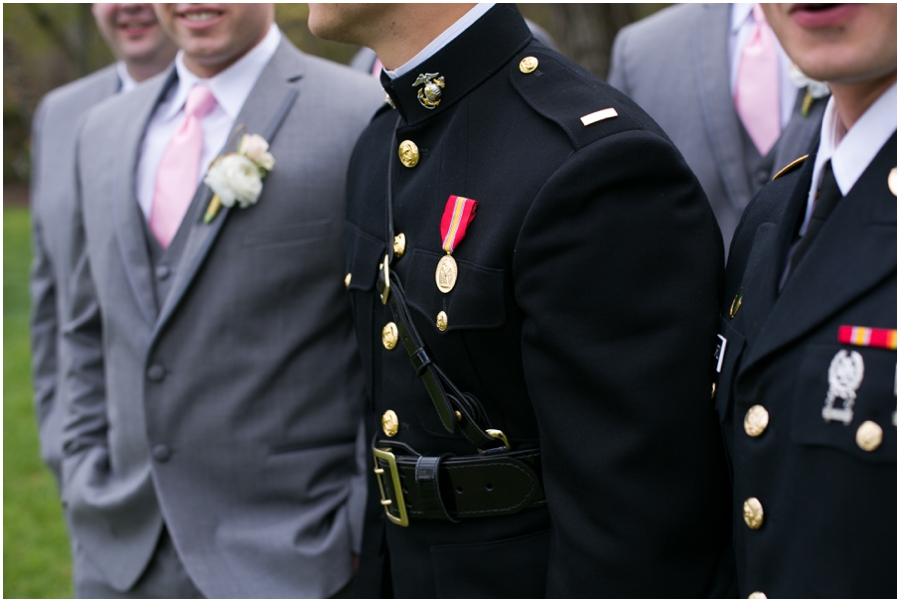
[[176, 178], [376, 68], [756, 92]]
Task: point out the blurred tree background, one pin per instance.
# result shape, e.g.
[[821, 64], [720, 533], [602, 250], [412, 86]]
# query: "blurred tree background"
[[46, 46]]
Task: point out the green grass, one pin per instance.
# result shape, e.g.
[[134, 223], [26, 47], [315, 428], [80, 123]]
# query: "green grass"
[[36, 558]]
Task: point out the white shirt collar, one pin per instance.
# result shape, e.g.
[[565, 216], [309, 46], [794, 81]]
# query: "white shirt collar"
[[740, 12], [232, 86], [442, 40], [128, 82], [851, 155]]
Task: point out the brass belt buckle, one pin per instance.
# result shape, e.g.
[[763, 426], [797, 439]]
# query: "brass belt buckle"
[[387, 456]]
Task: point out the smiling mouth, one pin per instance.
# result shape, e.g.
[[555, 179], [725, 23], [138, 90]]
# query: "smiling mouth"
[[201, 16]]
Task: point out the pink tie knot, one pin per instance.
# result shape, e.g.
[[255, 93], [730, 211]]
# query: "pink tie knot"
[[200, 102], [758, 15]]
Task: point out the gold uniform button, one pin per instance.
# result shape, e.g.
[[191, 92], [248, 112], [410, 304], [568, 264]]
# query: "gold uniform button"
[[409, 153], [712, 394], [389, 336], [753, 513], [868, 436], [528, 64], [399, 245], [757, 596], [442, 321], [347, 279], [736, 303], [756, 420], [390, 424]]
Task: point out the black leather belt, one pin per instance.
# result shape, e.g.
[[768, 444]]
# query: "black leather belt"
[[455, 487]]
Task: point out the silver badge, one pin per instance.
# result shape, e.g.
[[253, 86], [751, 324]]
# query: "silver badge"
[[845, 375], [430, 95]]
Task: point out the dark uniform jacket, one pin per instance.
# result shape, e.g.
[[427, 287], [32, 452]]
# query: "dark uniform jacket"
[[815, 500], [583, 319]]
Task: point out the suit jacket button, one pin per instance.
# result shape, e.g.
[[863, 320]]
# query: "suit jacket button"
[[156, 373], [162, 452], [753, 513], [163, 272], [757, 596], [756, 420]]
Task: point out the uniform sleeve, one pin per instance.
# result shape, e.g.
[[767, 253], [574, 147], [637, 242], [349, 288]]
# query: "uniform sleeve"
[[617, 269], [44, 320]]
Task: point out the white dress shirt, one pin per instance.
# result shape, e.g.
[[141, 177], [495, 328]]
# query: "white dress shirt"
[[128, 83], [742, 24], [851, 151], [231, 88], [442, 40]]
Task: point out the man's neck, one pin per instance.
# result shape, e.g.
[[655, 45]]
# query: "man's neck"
[[852, 100], [140, 71], [412, 28]]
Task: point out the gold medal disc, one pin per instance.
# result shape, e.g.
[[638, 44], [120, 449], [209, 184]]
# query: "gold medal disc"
[[446, 273]]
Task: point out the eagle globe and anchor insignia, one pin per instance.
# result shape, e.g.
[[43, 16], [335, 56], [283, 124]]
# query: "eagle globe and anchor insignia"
[[430, 94]]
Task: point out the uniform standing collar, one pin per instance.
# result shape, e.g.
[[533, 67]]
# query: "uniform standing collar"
[[442, 40], [465, 62]]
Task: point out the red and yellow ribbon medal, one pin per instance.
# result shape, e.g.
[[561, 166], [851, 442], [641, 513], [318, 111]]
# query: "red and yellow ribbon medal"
[[457, 215]]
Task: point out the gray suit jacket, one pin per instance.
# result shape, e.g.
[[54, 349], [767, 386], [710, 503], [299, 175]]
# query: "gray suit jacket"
[[53, 137], [230, 412], [674, 64]]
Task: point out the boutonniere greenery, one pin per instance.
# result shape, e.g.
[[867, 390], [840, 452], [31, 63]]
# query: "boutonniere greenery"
[[814, 89], [237, 177]]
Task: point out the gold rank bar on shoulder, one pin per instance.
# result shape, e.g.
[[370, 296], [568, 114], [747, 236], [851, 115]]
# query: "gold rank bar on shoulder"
[[599, 116]]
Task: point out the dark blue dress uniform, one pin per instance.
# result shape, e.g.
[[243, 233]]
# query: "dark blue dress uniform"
[[810, 421], [582, 319]]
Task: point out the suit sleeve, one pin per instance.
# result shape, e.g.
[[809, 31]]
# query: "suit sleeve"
[[85, 419], [44, 319], [617, 76], [617, 268]]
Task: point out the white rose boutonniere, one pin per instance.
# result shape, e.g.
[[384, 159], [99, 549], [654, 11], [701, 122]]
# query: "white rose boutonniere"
[[237, 177]]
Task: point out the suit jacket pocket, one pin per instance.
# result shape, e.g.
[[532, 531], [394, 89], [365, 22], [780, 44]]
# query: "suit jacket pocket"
[[287, 235], [364, 252], [840, 387], [734, 347], [476, 301], [509, 568]]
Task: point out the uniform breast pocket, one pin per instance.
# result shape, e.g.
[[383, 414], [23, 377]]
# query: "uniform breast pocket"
[[475, 301], [729, 353], [845, 399]]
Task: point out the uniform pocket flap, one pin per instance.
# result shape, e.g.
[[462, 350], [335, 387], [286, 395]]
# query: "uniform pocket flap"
[[364, 253], [844, 399], [476, 300]]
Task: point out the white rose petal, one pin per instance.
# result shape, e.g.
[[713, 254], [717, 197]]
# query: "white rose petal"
[[254, 147], [235, 178]]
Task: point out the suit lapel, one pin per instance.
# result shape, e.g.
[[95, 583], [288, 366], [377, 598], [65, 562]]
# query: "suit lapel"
[[126, 211], [856, 249], [720, 120], [263, 112]]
